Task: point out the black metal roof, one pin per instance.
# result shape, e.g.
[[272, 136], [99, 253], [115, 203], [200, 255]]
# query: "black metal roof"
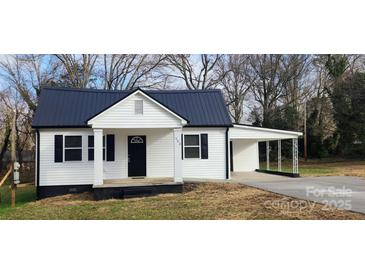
[[66, 107]]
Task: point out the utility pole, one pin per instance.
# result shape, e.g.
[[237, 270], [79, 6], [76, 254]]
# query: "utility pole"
[[305, 132], [13, 157]]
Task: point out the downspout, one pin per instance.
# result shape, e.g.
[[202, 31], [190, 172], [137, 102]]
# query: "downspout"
[[37, 161], [227, 154]]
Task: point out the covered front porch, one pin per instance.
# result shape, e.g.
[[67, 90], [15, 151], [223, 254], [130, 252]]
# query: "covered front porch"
[[141, 157], [146, 162]]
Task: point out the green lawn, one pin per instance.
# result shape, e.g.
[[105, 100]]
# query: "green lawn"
[[324, 167], [306, 171], [24, 194]]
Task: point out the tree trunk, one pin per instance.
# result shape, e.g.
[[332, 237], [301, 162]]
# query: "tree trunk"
[[4, 147]]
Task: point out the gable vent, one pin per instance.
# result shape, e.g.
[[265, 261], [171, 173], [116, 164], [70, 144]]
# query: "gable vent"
[[138, 107]]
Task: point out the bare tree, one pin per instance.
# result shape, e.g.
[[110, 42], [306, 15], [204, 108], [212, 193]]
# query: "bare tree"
[[196, 71], [27, 73], [5, 129], [78, 69], [234, 71], [320, 107], [23, 76], [13, 107], [127, 71], [271, 77]]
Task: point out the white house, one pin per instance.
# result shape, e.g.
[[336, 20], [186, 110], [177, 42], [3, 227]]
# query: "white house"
[[125, 143]]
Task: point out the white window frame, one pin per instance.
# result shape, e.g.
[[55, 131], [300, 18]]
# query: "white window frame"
[[198, 146], [70, 148], [135, 107]]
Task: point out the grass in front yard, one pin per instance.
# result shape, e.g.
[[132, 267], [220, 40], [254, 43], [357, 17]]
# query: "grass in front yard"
[[199, 201], [24, 193], [333, 167], [324, 167]]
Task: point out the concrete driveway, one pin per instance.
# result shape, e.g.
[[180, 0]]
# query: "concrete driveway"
[[344, 192]]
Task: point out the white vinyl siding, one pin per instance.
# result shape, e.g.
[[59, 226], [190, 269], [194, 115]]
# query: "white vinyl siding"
[[215, 166], [122, 115], [159, 153], [245, 155], [66, 172]]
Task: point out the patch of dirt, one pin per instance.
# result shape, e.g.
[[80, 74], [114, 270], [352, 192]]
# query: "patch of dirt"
[[66, 200], [21, 185]]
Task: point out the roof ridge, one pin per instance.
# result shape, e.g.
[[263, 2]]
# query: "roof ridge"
[[128, 91], [83, 90], [183, 91]]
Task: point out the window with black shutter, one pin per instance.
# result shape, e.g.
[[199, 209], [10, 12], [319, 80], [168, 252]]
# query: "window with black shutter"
[[73, 148], [58, 148], [192, 146], [195, 146], [204, 146], [90, 145], [110, 142]]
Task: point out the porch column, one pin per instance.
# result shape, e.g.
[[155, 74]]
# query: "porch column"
[[295, 155], [98, 156], [279, 155], [177, 156], [267, 155]]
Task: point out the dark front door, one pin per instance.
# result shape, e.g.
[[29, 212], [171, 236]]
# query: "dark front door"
[[136, 156]]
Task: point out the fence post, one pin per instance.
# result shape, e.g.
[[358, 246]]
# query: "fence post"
[[267, 155], [279, 155], [295, 155]]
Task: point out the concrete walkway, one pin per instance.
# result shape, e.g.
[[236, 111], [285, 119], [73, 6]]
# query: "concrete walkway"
[[344, 192]]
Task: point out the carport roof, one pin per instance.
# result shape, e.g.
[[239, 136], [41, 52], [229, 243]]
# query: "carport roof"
[[240, 131]]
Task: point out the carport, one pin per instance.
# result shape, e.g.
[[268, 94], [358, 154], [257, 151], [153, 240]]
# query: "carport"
[[244, 147]]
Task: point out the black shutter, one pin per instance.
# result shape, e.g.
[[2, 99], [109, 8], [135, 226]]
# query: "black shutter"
[[204, 146], [90, 145], [110, 154], [182, 146], [58, 148]]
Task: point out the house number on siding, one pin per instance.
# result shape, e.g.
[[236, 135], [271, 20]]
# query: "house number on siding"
[[136, 140], [177, 141]]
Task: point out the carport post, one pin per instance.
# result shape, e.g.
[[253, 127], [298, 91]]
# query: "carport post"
[[295, 155], [279, 155], [268, 155]]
